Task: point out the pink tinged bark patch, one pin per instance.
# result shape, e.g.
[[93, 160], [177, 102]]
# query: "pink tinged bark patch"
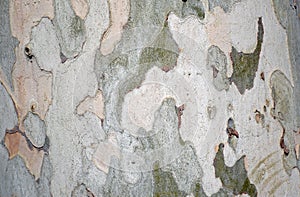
[[92, 104], [32, 90], [80, 7], [119, 12], [17, 144], [25, 14], [32, 86]]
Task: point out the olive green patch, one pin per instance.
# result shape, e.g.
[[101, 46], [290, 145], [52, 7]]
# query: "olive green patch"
[[235, 178], [198, 191], [165, 184], [163, 56], [245, 64]]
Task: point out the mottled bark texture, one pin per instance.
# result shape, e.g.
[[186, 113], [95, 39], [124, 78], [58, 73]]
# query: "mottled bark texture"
[[149, 98]]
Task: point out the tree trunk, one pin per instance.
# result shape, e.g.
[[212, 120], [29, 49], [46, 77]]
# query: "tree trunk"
[[149, 98]]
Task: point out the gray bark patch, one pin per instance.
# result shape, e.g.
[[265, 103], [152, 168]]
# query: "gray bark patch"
[[284, 111], [217, 62], [70, 29], [43, 184], [35, 129], [45, 45], [281, 11], [116, 184], [8, 43], [16, 180], [174, 173], [226, 5], [294, 51], [193, 7], [282, 93], [8, 116]]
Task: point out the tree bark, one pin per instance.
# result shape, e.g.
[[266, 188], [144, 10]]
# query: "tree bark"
[[149, 98]]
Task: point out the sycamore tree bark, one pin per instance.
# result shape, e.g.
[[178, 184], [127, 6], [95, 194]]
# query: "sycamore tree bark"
[[149, 98]]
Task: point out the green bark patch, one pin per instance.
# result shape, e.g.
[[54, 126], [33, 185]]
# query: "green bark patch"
[[234, 179], [198, 191], [165, 184], [151, 55], [245, 64]]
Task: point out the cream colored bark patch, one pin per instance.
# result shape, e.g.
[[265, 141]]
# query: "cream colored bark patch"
[[92, 104], [297, 150], [104, 153], [141, 104], [119, 12], [218, 29], [80, 7]]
